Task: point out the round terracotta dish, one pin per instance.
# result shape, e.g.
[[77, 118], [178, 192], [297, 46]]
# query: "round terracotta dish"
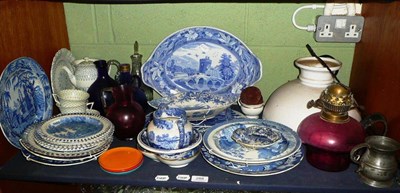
[[121, 160]]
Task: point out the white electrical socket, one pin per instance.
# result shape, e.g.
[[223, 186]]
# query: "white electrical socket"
[[337, 28], [352, 33], [326, 31]]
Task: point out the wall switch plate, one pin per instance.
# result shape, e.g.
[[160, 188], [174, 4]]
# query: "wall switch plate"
[[337, 28]]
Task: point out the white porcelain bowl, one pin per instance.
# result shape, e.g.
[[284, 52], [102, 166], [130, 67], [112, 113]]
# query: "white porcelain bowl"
[[198, 106], [251, 111]]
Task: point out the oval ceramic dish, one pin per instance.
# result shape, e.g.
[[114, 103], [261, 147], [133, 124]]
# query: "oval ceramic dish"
[[265, 169], [218, 140], [199, 59], [25, 96], [198, 106], [121, 159]]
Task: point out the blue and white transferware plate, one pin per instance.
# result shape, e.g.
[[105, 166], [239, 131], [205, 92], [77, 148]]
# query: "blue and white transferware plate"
[[74, 128], [218, 140], [25, 98], [28, 143], [58, 76], [201, 59], [267, 169], [198, 106]]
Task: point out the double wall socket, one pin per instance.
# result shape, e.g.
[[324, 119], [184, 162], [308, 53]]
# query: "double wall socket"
[[335, 28]]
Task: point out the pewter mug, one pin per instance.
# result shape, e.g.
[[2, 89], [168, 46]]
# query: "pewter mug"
[[378, 164]]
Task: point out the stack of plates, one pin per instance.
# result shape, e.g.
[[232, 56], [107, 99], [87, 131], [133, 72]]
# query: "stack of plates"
[[67, 139], [224, 148], [121, 160]]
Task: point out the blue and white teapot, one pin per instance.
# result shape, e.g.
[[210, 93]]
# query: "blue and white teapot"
[[169, 129]]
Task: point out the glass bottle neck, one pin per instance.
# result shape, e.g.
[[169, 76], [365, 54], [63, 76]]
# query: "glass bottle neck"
[[136, 64]]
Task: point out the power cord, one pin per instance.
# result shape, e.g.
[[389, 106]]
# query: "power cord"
[[310, 27]]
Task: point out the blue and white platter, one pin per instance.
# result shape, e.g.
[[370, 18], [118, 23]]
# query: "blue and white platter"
[[198, 106], [267, 169], [25, 98], [218, 140], [201, 59]]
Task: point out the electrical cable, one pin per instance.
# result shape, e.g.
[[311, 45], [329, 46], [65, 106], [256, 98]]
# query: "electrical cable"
[[310, 27]]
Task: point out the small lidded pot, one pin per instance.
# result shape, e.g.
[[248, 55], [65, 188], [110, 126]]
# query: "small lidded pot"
[[251, 102], [169, 129]]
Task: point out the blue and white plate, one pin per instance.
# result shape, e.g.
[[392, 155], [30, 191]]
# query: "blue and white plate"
[[218, 140], [25, 98], [266, 169], [198, 106], [28, 143], [58, 76], [74, 128], [201, 59]]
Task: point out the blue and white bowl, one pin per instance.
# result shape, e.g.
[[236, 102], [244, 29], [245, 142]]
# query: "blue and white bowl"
[[198, 106], [175, 158]]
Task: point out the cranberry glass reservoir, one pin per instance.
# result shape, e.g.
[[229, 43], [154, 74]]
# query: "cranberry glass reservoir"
[[330, 135]]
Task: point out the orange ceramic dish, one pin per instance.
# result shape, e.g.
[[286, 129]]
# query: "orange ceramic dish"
[[121, 159]]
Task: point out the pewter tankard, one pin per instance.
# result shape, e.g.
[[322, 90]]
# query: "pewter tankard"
[[378, 164]]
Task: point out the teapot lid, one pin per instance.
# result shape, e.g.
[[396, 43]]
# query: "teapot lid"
[[85, 60]]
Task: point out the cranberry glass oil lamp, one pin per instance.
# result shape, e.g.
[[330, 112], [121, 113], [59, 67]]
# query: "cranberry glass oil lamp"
[[330, 135]]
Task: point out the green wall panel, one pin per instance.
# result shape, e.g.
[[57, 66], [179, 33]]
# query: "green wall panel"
[[109, 31]]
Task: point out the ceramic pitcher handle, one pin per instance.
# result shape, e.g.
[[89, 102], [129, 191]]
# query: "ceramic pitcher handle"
[[373, 119], [355, 155]]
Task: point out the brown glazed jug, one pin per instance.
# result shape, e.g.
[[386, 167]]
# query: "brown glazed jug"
[[125, 113]]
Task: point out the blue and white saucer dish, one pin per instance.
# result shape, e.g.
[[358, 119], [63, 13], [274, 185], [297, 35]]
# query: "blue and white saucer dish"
[[198, 106], [25, 98], [267, 169], [201, 59], [218, 140]]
